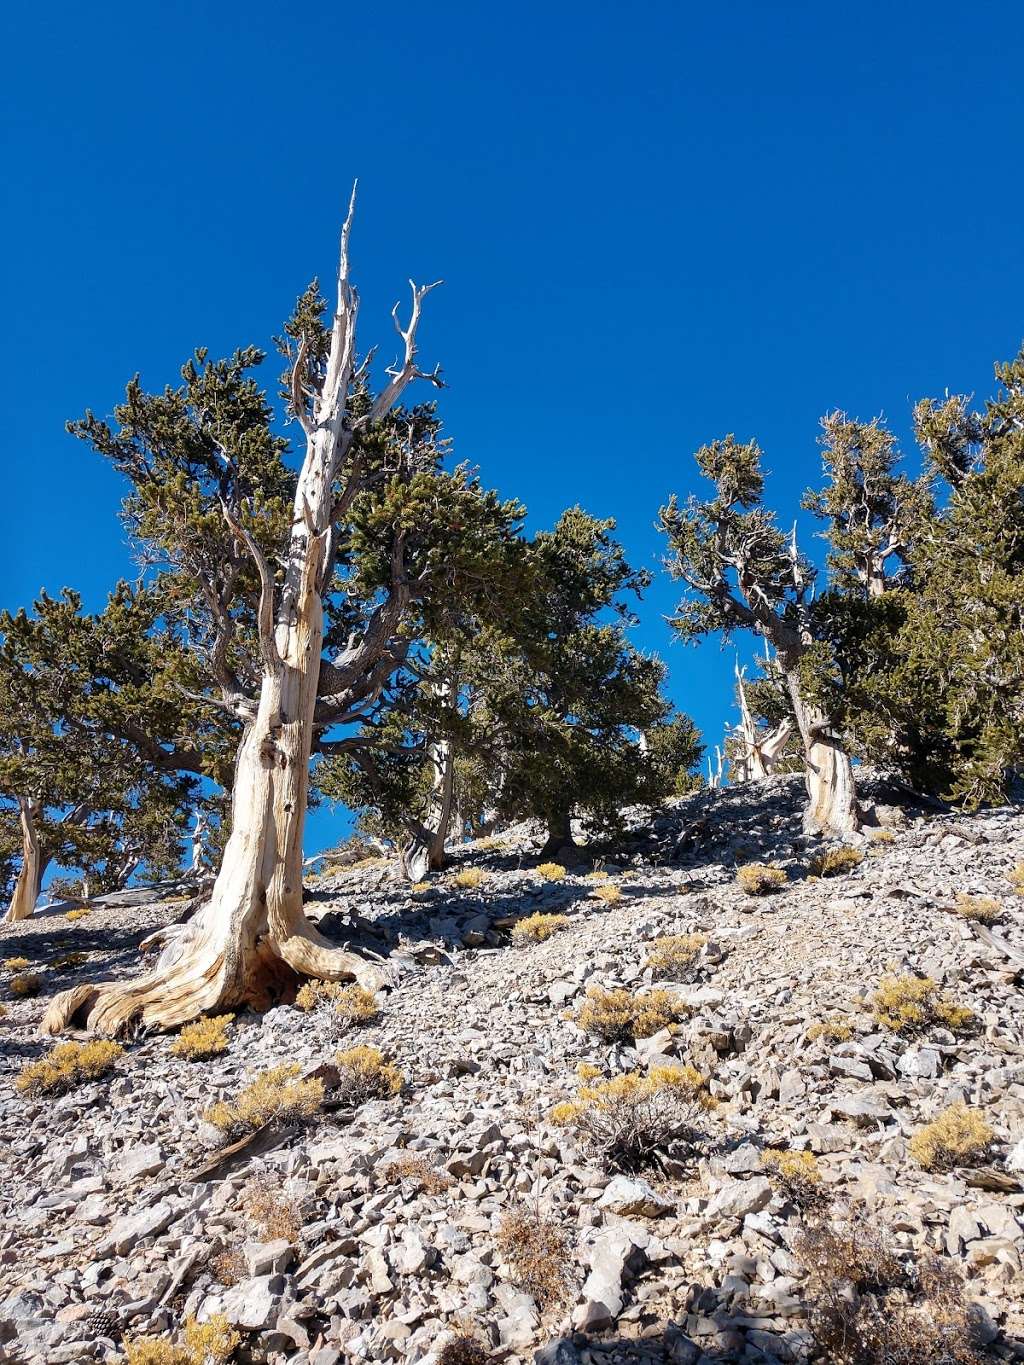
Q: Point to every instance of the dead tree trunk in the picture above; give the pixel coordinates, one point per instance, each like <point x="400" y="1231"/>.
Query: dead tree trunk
<point x="828" y="772"/>
<point x="33" y="863"/>
<point x="252" y="939"/>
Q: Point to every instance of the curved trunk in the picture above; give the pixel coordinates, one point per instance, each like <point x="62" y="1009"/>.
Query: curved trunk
<point x="828" y="772"/>
<point x="33" y="864"/>
<point x="559" y="835"/>
<point x="424" y="849"/>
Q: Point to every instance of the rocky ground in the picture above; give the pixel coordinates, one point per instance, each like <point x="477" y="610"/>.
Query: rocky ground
<point x="118" y="1217"/>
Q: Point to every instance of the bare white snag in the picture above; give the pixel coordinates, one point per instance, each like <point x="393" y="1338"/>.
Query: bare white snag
<point x="30" y="875"/>
<point x="252" y="938"/>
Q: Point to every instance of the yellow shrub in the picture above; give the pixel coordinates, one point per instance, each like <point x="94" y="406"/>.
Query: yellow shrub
<point x="797" y="1174"/>
<point x="207" y="1343"/>
<point x="908" y="1004"/>
<point x="675" y="955"/>
<point x="80" y="913"/>
<point x="3" y="1011"/>
<point x="629" y="1121"/>
<point x="958" y="1137"/>
<point x="414" y="1167"/>
<point x="469" y="878"/>
<point x="758" y="880"/>
<point x="365" y="1075"/>
<point x="537" y="928"/>
<point x="275" y="1096"/>
<point x="586" y="1071"/>
<point x="981" y="909"/>
<point x="608" y="893"/>
<point x="833" y="862"/>
<point x="205" y="1038"/>
<point x="272" y="1212"/>
<point x="70" y="960"/>
<point x="598" y="875"/>
<point x="617" y="1016"/>
<point x="883" y="836"/>
<point x="313" y="993"/>
<point x="26" y="983"/>
<point x="356" y="1005"/>
<point x="834" y="1029"/>
<point x="418" y="888"/>
<point x="551" y="872"/>
<point x="66" y="1066"/>
<point x="16" y="964"/>
<point x="1016" y="879"/>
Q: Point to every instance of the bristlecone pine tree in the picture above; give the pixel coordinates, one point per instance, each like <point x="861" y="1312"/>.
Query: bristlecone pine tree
<point x="742" y="572"/>
<point x="209" y="489"/>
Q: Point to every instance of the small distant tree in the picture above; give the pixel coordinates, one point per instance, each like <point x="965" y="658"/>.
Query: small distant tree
<point x="741" y="572"/>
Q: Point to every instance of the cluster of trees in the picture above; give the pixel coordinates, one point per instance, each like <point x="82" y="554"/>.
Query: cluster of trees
<point x="368" y="623"/>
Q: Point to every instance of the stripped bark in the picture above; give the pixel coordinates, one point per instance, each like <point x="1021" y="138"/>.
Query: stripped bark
<point x="251" y="942"/>
<point x="33" y="863"/>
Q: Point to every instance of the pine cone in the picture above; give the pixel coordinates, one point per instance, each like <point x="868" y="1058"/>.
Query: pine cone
<point x="101" y="1323"/>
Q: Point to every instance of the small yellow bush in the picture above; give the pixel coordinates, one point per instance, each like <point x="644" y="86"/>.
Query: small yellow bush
<point x="70" y="960"/>
<point x="539" y="1254"/>
<point x="16" y="964"/>
<point x="270" y="1210"/>
<point x="80" y="913"/>
<point x="414" y="1167"/>
<point x="883" y="836"/>
<point x="26" y="983"/>
<point x="537" y="928"/>
<point x="207" y="1343"/>
<point x="469" y="878"/>
<point x="676" y="955"/>
<point x="617" y="1016"/>
<point x="205" y="1038"/>
<point x="551" y="872"/>
<point x="356" y="1005"/>
<point x="958" y="1137"/>
<point x="981" y="909"/>
<point x="833" y="862"/>
<point x="365" y="1075"/>
<point x="598" y="875"/>
<point x="629" y="1121"/>
<point x="908" y="1004"/>
<point x="586" y="1071"/>
<point x="1016" y="879"/>
<point x="3" y="1011"/>
<point x="607" y="892"/>
<point x="313" y="993"/>
<point x="797" y="1174"/>
<point x="834" y="1029"/>
<point x="418" y="888"/>
<point x="275" y="1096"/>
<point x="758" y="880"/>
<point x="66" y="1066"/>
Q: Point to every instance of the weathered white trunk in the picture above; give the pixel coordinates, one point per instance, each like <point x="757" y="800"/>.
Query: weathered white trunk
<point x="30" y="875"/>
<point x="423" y="850"/>
<point x="252" y="940"/>
<point x="828" y="772"/>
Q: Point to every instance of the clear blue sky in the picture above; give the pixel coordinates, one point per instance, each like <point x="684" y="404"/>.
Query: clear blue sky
<point x="658" y="223"/>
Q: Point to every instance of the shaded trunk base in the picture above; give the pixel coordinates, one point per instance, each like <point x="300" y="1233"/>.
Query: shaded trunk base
<point x="559" y="837"/>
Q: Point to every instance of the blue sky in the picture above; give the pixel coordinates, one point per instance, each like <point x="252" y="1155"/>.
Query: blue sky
<point x="657" y="223"/>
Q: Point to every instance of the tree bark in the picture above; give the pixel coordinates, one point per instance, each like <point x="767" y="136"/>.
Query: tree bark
<point x="559" y="834"/>
<point x="252" y="941"/>
<point x="33" y="864"/>
<point x="828" y="772"/>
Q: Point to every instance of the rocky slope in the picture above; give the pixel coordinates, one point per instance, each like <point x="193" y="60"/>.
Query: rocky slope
<point x="118" y="1219"/>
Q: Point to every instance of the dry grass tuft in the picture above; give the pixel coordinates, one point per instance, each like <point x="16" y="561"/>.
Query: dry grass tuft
<point x="958" y="1137"/>
<point x="276" y="1096"/>
<point x="206" y="1343"/>
<point x="617" y="1016"/>
<point x="204" y="1039"/>
<point x="26" y="984"/>
<point x="675" y="956"/>
<point x="833" y="1028"/>
<point x="366" y="1075"/>
<point x="16" y="964"/>
<point x="910" y="1004"/>
<point x="551" y="872"/>
<point x="418" y="888"/>
<point x="414" y="1167"/>
<point x="634" y="1120"/>
<point x="607" y="892"/>
<point x="271" y="1211"/>
<point x="355" y="1005"/>
<point x="537" y="928"/>
<point x="981" y="909"/>
<point x="312" y="994"/>
<point x="597" y="875"/>
<point x="229" y="1266"/>
<point x="463" y="1350"/>
<point x="470" y="878"/>
<point x="797" y="1175"/>
<point x="756" y="879"/>
<point x="871" y="1304"/>
<point x="539" y="1255"/>
<point x="68" y="1065"/>
<point x="80" y="913"/>
<point x="1016" y="879"/>
<point x="883" y="836"/>
<point x="833" y="862"/>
